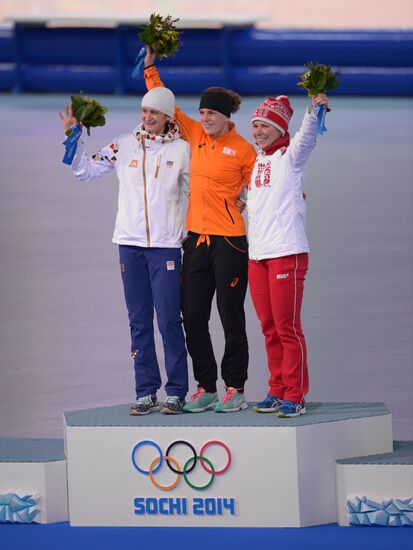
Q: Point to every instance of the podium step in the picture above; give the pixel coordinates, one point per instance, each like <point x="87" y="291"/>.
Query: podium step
<point x="376" y="489"/>
<point x="33" y="480"/>
<point x="317" y="413"/>
<point x="231" y="470"/>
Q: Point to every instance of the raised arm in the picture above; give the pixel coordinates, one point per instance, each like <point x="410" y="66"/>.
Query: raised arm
<point x="88" y="167"/>
<point x="305" y="139"/>
<point x="187" y="125"/>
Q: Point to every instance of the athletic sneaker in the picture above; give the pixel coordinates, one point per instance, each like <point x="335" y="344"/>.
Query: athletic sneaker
<point x="231" y="402"/>
<point x="201" y="401"/>
<point x="270" y="404"/>
<point x="173" y="405"/>
<point x="291" y="409"/>
<point x="145" y="405"/>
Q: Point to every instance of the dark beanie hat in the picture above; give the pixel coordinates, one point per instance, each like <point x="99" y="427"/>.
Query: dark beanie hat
<point x="217" y="101"/>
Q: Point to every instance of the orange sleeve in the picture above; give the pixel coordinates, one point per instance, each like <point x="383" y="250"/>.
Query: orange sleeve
<point x="152" y="78"/>
<point x="187" y="125"/>
<point x="248" y="165"/>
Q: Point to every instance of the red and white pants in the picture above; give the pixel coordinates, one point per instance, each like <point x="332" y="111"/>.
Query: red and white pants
<point x="277" y="287"/>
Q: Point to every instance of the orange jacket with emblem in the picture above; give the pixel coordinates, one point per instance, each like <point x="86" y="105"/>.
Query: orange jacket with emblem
<point x="219" y="168"/>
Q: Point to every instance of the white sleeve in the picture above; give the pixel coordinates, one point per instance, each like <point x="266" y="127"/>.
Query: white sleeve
<point x="184" y="173"/>
<point x="90" y="167"/>
<point x="303" y="142"/>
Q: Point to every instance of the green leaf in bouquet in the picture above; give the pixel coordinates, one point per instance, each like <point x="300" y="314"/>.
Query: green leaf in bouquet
<point x="76" y="102"/>
<point x="95" y="115"/>
<point x="82" y="113"/>
<point x="88" y="111"/>
<point x="318" y="78"/>
<point x="161" y="35"/>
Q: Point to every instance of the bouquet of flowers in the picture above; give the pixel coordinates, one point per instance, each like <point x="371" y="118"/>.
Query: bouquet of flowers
<point x="318" y="78"/>
<point x="161" y="35"/>
<point x="88" y="111"/>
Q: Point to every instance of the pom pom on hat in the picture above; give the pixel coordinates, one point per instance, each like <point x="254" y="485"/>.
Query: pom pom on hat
<point x="161" y="99"/>
<point x="275" y="111"/>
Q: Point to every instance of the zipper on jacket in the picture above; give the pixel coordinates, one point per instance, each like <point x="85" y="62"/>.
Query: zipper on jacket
<point x="229" y="213"/>
<point x="145" y="198"/>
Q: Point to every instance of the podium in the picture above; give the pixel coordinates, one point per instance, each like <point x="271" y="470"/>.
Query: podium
<point x="33" y="482"/>
<point x="215" y="470"/>
<point x="376" y="489"/>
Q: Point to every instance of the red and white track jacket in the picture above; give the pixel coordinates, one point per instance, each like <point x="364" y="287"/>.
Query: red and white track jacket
<point x="276" y="207"/>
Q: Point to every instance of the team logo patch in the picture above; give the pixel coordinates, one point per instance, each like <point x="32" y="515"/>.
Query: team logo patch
<point x="263" y="177"/>
<point x="170" y="265"/>
<point x="169" y="163"/>
<point x="228" y="151"/>
<point x="133" y="163"/>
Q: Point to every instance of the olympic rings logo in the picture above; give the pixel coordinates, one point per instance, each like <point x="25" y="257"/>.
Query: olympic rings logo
<point x="175" y="467"/>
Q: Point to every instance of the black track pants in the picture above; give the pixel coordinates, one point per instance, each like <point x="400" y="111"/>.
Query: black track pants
<point x="221" y="267"/>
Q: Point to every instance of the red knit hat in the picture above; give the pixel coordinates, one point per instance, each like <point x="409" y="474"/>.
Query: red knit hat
<point x="275" y="111"/>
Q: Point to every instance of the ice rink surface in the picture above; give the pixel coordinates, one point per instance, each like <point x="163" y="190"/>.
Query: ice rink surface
<point x="63" y="323"/>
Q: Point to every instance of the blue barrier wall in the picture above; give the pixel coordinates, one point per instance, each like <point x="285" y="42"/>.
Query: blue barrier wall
<point x="34" y="58"/>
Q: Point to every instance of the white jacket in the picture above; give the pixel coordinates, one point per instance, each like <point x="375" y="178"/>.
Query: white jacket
<point x="153" y="175"/>
<point x="276" y="207"/>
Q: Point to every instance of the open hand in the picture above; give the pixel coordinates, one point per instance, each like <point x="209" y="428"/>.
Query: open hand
<point x="68" y="120"/>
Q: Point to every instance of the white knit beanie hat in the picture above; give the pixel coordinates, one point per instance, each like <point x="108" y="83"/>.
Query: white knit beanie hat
<point x="161" y="99"/>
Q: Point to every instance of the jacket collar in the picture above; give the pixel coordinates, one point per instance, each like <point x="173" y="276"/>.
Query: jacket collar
<point x="173" y="134"/>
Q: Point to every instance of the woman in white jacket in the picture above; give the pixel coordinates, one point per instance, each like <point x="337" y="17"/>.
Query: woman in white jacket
<point x="278" y="248"/>
<point x="152" y="165"/>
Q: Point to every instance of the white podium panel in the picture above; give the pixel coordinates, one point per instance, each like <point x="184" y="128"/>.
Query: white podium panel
<point x="33" y="481"/>
<point x="377" y="490"/>
<point x="252" y="470"/>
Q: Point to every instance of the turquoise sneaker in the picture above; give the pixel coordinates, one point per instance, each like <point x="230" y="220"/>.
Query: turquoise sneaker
<point x="231" y="402"/>
<point x="201" y="401"/>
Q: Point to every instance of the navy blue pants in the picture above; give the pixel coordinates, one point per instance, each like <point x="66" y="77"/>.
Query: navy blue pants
<point x="151" y="278"/>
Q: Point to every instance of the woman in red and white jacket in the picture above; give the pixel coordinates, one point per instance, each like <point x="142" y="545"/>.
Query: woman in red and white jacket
<point x="278" y="248"/>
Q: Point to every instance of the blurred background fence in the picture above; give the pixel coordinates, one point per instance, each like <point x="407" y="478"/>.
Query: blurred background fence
<point x="39" y="55"/>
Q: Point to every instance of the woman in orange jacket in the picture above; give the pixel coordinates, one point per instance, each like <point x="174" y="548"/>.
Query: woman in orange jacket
<point x="215" y="249"/>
